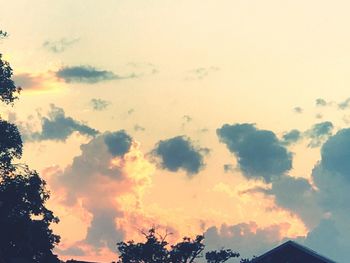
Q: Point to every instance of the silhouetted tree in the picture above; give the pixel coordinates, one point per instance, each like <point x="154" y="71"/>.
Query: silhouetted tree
<point x="187" y="250"/>
<point x="24" y="219"/>
<point x="220" y="256"/>
<point x="157" y="250"/>
<point x="153" y="250"/>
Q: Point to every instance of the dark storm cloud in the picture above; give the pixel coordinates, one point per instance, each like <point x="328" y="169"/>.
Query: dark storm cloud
<point x="57" y="126"/>
<point x="118" y="143"/>
<point x="88" y="74"/>
<point x="291" y="137"/>
<point x="319" y="133"/>
<point x="99" y="104"/>
<point x="179" y="153"/>
<point x="60" y="45"/>
<point x="259" y="152"/>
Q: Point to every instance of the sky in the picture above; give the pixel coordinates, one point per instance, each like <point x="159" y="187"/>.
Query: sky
<point x="228" y="118"/>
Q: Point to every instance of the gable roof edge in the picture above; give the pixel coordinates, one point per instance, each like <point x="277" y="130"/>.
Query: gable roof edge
<point x="296" y="245"/>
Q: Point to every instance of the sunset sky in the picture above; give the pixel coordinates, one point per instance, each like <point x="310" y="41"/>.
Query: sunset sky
<point x="228" y="118"/>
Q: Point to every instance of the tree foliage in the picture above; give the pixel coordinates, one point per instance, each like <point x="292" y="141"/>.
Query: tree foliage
<point x="24" y="220"/>
<point x="8" y="90"/>
<point x="220" y="256"/>
<point x="10" y="144"/>
<point x="156" y="249"/>
<point x="25" y="232"/>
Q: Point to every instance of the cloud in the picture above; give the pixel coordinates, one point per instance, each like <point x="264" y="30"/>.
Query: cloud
<point x="318" y="116"/>
<point x="71" y="251"/>
<point x="56" y="126"/>
<point x="246" y="238"/>
<point x="298" y="196"/>
<point x="332" y="179"/>
<point x="200" y="73"/>
<point x="28" y="81"/>
<point x="143" y="69"/>
<point x="291" y="137"/>
<point x="88" y="74"/>
<point x="203" y="130"/>
<point x="344" y="104"/>
<point x="179" y="153"/>
<point x="321" y="102"/>
<point x="88" y="178"/>
<point x="319" y="133"/>
<point x="298" y="110"/>
<point x="251" y="240"/>
<point x="228" y="168"/>
<point x="325" y="238"/>
<point x="105" y="185"/>
<point x="139" y="128"/>
<point x="36" y="81"/>
<point x="131" y="111"/>
<point x="186" y="119"/>
<point x="335" y="154"/>
<point x="118" y="143"/>
<point x="259" y="153"/>
<point x="323" y="207"/>
<point x="346" y="119"/>
<point x="320" y="202"/>
<point x="102" y="230"/>
<point x="60" y="45"/>
<point x="99" y="104"/>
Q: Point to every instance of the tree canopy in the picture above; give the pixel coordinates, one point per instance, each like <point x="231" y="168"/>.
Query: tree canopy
<point x="25" y="232"/>
<point x="155" y="249"/>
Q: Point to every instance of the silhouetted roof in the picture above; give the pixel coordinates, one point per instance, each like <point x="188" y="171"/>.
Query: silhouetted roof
<point x="291" y="252"/>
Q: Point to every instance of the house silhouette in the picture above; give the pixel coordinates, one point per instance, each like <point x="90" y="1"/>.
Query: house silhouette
<point x="291" y="252"/>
